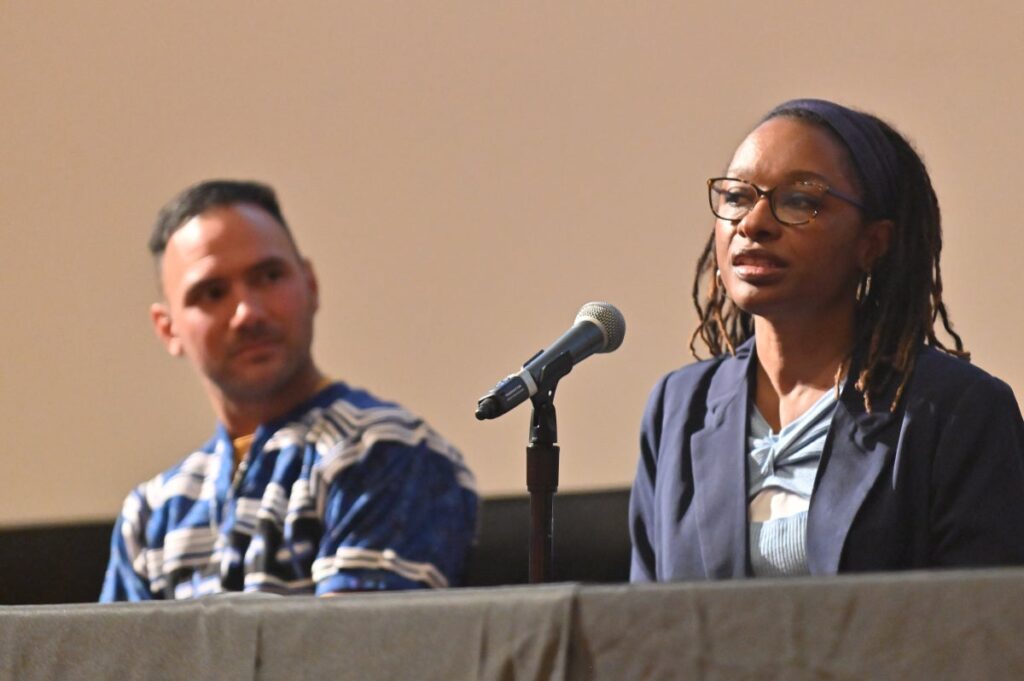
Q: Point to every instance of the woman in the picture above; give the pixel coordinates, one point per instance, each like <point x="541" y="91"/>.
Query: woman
<point x="832" y="431"/>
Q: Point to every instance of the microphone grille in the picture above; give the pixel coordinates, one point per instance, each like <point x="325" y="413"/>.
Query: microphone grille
<point x="608" y="319"/>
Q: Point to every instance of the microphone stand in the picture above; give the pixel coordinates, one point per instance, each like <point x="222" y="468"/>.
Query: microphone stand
<point x="542" y="469"/>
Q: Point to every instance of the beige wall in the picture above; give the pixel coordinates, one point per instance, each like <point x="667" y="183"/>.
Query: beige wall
<point x="464" y="176"/>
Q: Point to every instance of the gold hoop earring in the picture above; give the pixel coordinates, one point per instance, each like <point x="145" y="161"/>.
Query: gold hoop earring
<point x="865" y="287"/>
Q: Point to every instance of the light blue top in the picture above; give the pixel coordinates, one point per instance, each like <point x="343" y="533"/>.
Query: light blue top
<point x="787" y="460"/>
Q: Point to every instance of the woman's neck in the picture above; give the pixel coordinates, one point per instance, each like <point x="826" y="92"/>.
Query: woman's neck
<point x="798" y="360"/>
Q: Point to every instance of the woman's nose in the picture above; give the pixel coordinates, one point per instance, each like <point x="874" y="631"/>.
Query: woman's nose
<point x="759" y="223"/>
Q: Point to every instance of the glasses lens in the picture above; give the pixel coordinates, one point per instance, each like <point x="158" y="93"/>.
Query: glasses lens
<point x="798" y="203"/>
<point x="731" y="199"/>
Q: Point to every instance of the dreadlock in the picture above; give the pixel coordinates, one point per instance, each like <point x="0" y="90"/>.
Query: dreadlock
<point x="898" y="303"/>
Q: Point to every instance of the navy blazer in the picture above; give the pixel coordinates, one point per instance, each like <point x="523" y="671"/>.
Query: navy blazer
<point x="938" y="483"/>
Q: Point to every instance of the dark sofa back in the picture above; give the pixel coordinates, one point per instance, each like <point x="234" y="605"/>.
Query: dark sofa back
<point x="65" y="563"/>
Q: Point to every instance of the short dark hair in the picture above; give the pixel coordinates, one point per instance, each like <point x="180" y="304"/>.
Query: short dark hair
<point x="203" y="196"/>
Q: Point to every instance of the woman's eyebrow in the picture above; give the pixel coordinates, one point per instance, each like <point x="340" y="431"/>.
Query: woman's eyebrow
<point x="746" y="174"/>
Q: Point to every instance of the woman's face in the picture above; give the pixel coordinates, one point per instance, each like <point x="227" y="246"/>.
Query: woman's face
<point x="781" y="272"/>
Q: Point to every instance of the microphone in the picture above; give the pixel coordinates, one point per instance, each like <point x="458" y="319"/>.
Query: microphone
<point x="598" y="328"/>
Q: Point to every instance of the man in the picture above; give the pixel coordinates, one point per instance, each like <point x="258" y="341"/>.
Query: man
<point x="308" y="486"/>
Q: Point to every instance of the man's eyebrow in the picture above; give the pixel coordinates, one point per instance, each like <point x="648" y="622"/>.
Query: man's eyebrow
<point x="199" y="285"/>
<point x="195" y="288"/>
<point x="270" y="261"/>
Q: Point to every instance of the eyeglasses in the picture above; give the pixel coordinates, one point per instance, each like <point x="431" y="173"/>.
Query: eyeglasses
<point x="796" y="203"/>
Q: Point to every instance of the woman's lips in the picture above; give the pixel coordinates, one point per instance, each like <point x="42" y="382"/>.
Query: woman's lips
<point x="757" y="267"/>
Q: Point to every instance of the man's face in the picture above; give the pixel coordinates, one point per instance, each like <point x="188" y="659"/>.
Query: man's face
<point x="239" y="302"/>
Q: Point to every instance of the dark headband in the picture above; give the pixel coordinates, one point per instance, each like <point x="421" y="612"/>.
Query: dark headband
<point x="873" y="155"/>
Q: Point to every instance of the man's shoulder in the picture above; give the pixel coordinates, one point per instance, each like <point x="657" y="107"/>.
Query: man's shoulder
<point x="348" y="413"/>
<point x="364" y="407"/>
<point x="349" y="426"/>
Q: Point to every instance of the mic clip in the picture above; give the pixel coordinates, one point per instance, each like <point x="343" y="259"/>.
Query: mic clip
<point x="515" y="389"/>
<point x="543" y="425"/>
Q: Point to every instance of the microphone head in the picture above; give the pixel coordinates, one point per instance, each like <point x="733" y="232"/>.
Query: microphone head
<point x="607" y="318"/>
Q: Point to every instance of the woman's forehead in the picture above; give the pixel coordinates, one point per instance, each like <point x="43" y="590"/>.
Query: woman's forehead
<point x="785" y="148"/>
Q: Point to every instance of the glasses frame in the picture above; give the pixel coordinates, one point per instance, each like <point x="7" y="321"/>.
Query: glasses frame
<point x="770" y="195"/>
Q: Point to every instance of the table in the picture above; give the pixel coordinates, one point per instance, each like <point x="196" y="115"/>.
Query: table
<point x="934" y="625"/>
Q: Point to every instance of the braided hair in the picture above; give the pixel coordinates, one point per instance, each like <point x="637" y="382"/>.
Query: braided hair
<point x="900" y="300"/>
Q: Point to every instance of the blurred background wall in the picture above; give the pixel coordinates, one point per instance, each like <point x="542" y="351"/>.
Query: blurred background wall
<point x="464" y="176"/>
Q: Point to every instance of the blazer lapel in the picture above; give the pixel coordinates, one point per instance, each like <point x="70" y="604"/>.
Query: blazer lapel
<point x="858" y="446"/>
<point x="719" y="470"/>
